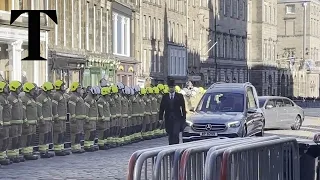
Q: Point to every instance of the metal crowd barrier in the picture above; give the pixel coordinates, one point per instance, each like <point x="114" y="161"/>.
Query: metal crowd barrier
<point x="143" y="162"/>
<point x="266" y="160"/>
<point x="250" y="158"/>
<point x="193" y="159"/>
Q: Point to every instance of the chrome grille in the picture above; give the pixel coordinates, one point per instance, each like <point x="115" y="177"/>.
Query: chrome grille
<point x="203" y="127"/>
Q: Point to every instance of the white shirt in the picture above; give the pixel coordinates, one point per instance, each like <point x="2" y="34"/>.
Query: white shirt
<point x="171" y="95"/>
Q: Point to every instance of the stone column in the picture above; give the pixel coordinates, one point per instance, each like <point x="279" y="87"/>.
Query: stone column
<point x="14" y="50"/>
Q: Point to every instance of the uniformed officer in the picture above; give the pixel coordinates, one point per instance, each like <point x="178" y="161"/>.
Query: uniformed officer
<point x="5" y="118"/>
<point x="124" y="115"/>
<point x="103" y="123"/>
<point x="148" y="114"/>
<point x="145" y="113"/>
<point x="59" y="112"/>
<point x="154" y="112"/>
<point x="115" y="109"/>
<point x="120" y="116"/>
<point x="16" y="122"/>
<point x="135" y="113"/>
<point x="77" y="116"/>
<point x="30" y="116"/>
<point x="129" y="130"/>
<point x="164" y="91"/>
<point x="158" y="97"/>
<point x="90" y="123"/>
<point x="44" y="103"/>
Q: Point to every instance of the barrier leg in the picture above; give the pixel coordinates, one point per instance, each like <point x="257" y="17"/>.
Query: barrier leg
<point x="308" y="167"/>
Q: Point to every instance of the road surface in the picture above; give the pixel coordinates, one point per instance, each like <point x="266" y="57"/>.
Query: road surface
<point x="110" y="164"/>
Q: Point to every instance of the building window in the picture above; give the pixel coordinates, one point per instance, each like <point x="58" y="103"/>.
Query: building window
<point x="225" y="48"/>
<point x="193" y="28"/>
<point x="149" y="28"/>
<point x="238" y="49"/>
<point x="172" y="31"/>
<point x="231" y="8"/>
<point x="121" y="33"/>
<point x="155" y="61"/>
<point x="154" y="29"/>
<point x="144" y="63"/>
<point x="265" y="19"/>
<point x="169" y="31"/>
<point x="182" y="34"/>
<point x="144" y="26"/>
<point x="224" y="7"/>
<point x="159" y="28"/>
<point x="177" y="33"/>
<point x="231" y="48"/>
<point x="238" y="9"/>
<point x="290" y="9"/>
<point x="159" y="61"/>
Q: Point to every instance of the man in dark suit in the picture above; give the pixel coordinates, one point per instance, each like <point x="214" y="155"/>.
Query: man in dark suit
<point x="174" y="110"/>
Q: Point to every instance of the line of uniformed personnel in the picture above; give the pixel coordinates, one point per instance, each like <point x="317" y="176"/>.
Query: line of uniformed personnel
<point x="32" y="118"/>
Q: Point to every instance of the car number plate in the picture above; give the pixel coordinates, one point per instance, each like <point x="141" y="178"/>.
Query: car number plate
<point x="208" y="133"/>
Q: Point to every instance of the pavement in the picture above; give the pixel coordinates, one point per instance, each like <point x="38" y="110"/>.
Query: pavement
<point x="112" y="164"/>
<point x="108" y="165"/>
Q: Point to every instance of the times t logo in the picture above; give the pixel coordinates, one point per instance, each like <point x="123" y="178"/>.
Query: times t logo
<point x="33" y="30"/>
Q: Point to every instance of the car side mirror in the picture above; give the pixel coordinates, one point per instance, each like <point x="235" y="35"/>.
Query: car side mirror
<point x="250" y="111"/>
<point x="269" y="106"/>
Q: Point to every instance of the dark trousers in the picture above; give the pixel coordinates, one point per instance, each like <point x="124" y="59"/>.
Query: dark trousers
<point x="173" y="132"/>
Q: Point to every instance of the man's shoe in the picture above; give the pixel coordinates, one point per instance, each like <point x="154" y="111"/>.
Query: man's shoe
<point x="15" y="160"/>
<point x="89" y="149"/>
<point x="21" y="158"/>
<point x="51" y="154"/>
<point x="5" y="162"/>
<point x="31" y="157"/>
<point x="95" y="147"/>
<point x="60" y="153"/>
<point x="45" y="155"/>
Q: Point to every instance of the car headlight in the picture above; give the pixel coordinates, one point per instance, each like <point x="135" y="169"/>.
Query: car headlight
<point x="234" y="124"/>
<point x="189" y="123"/>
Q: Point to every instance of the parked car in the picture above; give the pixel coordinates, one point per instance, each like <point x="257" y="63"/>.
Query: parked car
<point x="225" y="110"/>
<point x="281" y="112"/>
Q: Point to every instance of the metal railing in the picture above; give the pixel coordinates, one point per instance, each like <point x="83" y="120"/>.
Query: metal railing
<point x="250" y="158"/>
<point x="192" y="157"/>
<point x="153" y="162"/>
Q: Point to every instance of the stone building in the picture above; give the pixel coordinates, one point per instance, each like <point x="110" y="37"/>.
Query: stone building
<point x="14" y="43"/>
<point x="124" y="36"/>
<point x="80" y="46"/>
<point x="178" y="37"/>
<point x="299" y="43"/>
<point x="224" y="23"/>
<point x="266" y="72"/>
<point x="162" y="50"/>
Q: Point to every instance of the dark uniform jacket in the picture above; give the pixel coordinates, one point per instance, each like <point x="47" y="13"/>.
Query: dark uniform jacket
<point x="174" y="111"/>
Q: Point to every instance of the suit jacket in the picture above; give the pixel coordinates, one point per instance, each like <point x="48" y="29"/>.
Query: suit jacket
<point x="175" y="115"/>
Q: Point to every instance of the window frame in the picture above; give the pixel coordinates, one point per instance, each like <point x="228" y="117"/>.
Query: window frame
<point x="290" y="5"/>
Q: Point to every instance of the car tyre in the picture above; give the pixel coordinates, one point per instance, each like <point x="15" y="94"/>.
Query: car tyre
<point x="297" y="123"/>
<point x="261" y="133"/>
<point x="244" y="132"/>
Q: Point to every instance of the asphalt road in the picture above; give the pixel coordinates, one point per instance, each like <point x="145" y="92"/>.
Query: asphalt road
<point x="112" y="164"/>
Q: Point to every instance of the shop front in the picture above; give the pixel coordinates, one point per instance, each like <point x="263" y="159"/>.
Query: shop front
<point x="14" y="47"/>
<point x="66" y="66"/>
<point x="97" y="68"/>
